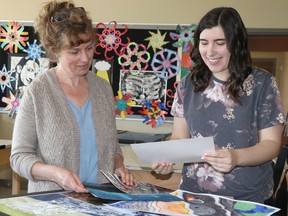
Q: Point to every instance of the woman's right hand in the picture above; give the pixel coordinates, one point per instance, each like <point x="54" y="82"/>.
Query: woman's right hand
<point x="65" y="178"/>
<point x="69" y="180"/>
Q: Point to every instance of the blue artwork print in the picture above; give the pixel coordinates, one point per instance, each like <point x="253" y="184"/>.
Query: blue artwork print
<point x="197" y="204"/>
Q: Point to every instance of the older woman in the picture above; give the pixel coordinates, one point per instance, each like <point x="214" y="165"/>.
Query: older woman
<point x="65" y="131"/>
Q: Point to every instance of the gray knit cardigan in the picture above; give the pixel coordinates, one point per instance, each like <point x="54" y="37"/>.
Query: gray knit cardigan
<point x="45" y="129"/>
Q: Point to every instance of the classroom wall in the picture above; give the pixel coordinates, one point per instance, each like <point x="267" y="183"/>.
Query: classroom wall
<point x="256" y="13"/>
<point x="265" y="14"/>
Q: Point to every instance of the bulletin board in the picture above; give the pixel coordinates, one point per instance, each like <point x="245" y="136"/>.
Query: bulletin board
<point x="21" y="60"/>
<point x="142" y="62"/>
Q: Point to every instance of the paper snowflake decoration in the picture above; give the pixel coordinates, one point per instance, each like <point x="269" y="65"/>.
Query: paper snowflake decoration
<point x="184" y="37"/>
<point x="156" y="40"/>
<point x="12" y="35"/>
<point x="166" y="64"/>
<point x="110" y="40"/>
<point x="136" y="58"/>
<point x="33" y="51"/>
<point x="6" y="78"/>
<point x="153" y="112"/>
<point x="12" y="102"/>
<point x="123" y="104"/>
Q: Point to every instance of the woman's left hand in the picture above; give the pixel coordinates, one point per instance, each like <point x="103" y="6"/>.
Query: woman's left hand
<point x="163" y="168"/>
<point x="223" y="160"/>
<point x="126" y="176"/>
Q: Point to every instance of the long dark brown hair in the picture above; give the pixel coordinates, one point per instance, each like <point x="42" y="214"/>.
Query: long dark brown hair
<point x="236" y="37"/>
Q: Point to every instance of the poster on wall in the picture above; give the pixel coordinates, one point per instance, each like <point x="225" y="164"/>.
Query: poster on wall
<point x="25" y="69"/>
<point x="143" y="86"/>
<point x="146" y="63"/>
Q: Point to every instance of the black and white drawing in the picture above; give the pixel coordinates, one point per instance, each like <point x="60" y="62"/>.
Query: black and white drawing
<point x="143" y="86"/>
<point x="26" y="70"/>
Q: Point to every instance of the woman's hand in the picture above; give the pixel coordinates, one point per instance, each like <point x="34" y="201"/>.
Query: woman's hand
<point x="223" y="160"/>
<point x="163" y="168"/>
<point x="69" y="180"/>
<point x="65" y="178"/>
<point x="126" y="176"/>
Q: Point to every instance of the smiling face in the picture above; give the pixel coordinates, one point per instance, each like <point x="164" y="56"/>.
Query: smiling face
<point x="214" y="52"/>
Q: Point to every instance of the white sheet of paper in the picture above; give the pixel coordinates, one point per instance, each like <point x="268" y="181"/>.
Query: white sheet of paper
<point x="174" y="151"/>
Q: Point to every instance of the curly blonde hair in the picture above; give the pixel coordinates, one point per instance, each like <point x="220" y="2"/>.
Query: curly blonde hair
<point x="60" y="24"/>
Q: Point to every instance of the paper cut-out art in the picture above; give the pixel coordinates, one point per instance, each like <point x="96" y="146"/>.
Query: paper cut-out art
<point x="184" y="37"/>
<point x="102" y="69"/>
<point x="166" y="64"/>
<point x="12" y="102"/>
<point x="34" y="51"/>
<point x="170" y="94"/>
<point x="123" y="104"/>
<point x="110" y="40"/>
<point x="136" y="59"/>
<point x="185" y="40"/>
<point x="12" y="34"/>
<point x="153" y="112"/>
<point x="6" y="78"/>
<point x="156" y="40"/>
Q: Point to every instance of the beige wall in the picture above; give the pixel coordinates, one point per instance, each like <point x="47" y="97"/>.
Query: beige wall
<point x="256" y="14"/>
<point x="6" y="126"/>
<point x="281" y="73"/>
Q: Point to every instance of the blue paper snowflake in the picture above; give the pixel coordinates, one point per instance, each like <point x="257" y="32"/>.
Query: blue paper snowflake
<point x="6" y="78"/>
<point x="33" y="51"/>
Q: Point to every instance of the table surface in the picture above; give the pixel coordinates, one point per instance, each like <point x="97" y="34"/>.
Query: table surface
<point x="128" y="137"/>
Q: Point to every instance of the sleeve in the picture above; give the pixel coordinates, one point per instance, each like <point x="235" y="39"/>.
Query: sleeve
<point x="24" y="138"/>
<point x="270" y="108"/>
<point x="177" y="109"/>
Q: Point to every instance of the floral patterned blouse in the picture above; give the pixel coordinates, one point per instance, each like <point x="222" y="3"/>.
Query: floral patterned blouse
<point x="233" y="126"/>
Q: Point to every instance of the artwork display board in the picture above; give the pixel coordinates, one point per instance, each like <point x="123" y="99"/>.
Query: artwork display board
<point x="142" y="62"/>
<point x="21" y="58"/>
<point x="145" y="62"/>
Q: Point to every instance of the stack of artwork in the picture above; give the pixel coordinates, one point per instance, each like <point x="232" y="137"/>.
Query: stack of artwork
<point x="142" y="200"/>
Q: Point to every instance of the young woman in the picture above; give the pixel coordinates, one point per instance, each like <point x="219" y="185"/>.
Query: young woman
<point x="237" y="104"/>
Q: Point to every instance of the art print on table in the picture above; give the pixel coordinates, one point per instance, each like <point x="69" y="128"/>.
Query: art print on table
<point x="59" y="204"/>
<point x="196" y="204"/>
<point x="120" y="191"/>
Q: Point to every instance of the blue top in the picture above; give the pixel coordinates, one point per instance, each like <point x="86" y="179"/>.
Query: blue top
<point x="233" y="126"/>
<point x="88" y="144"/>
